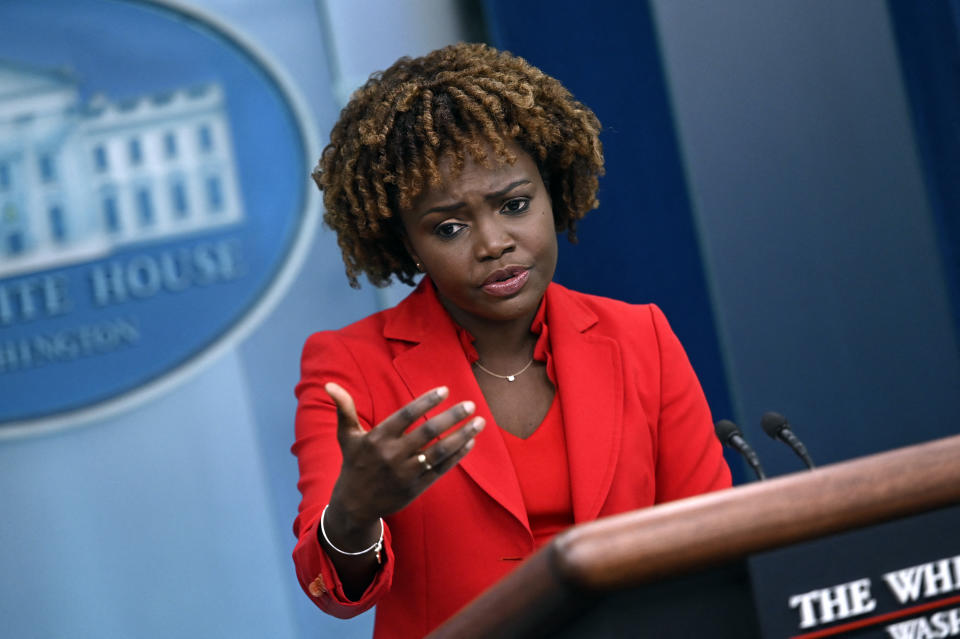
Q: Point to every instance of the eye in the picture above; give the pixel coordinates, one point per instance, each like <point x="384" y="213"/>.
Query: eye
<point x="448" y="230"/>
<point x="515" y="205"/>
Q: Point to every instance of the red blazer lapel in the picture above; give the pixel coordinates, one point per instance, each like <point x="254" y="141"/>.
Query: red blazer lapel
<point x="590" y="383"/>
<point x="436" y="358"/>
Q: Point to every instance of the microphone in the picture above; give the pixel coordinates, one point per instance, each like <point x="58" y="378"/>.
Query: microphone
<point x="777" y="426"/>
<point x="729" y="434"/>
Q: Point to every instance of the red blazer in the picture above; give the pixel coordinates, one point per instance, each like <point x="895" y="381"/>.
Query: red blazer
<point x="637" y="427"/>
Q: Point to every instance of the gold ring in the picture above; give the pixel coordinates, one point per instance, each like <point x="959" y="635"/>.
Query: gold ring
<point x="423" y="462"/>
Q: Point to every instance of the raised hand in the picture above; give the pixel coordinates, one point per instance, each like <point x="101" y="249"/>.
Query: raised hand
<point x="386" y="468"/>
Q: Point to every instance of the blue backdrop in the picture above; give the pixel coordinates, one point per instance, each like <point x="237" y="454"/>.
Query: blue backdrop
<point x="764" y="188"/>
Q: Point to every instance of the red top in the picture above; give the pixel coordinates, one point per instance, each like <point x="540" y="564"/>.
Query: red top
<point x="540" y="462"/>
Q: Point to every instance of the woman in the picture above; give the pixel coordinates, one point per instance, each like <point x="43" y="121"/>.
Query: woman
<point x="442" y="441"/>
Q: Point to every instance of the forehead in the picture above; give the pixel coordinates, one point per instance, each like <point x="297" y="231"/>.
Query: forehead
<point x="481" y="176"/>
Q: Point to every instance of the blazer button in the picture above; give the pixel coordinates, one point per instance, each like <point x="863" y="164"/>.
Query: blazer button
<point x="317" y="587"/>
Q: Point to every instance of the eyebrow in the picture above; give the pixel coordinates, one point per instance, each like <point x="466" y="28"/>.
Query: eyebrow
<point x="489" y="196"/>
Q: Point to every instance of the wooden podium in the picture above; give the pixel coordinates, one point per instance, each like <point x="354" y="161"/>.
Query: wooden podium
<point x="681" y="569"/>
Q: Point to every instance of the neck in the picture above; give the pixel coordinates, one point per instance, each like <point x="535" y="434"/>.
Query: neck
<point x="498" y="341"/>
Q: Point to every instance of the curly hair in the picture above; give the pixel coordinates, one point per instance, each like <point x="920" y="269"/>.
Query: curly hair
<point x="390" y="139"/>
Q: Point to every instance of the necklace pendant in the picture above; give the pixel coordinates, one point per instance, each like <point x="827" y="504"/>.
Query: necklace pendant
<point x="511" y="378"/>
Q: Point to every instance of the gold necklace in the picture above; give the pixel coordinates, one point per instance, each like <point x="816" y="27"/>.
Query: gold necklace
<point x="509" y="378"/>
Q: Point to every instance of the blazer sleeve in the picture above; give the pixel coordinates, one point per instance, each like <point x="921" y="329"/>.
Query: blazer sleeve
<point x="689" y="456"/>
<point x="326" y="359"/>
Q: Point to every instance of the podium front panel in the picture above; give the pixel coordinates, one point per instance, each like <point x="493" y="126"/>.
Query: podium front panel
<point x="900" y="579"/>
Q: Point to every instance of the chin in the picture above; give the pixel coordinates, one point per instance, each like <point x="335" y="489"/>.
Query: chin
<point x="514" y="307"/>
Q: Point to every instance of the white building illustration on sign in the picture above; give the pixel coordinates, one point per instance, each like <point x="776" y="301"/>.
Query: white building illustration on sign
<point x="78" y="180"/>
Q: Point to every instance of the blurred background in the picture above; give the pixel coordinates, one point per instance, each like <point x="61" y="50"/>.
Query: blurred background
<point x="782" y="179"/>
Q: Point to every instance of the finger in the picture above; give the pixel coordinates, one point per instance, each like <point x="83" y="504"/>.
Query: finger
<point x="401" y="420"/>
<point x="449" y="446"/>
<point x="437" y="425"/>
<point x="347" y="420"/>
<point x="437" y="455"/>
<point x="437" y="470"/>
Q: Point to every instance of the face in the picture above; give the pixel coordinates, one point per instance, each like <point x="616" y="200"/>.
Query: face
<point x="486" y="238"/>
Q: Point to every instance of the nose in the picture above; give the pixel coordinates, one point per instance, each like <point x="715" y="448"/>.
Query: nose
<point x="492" y="239"/>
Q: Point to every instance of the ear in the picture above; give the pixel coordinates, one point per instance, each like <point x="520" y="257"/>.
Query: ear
<point x="409" y="247"/>
<point x="413" y="254"/>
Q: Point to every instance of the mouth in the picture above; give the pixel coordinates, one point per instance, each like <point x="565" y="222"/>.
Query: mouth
<point x="506" y="281"/>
